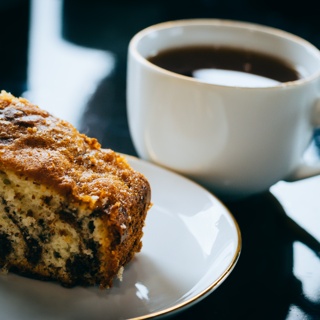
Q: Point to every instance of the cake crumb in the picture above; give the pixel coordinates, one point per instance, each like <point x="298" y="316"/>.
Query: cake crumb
<point x="120" y="273"/>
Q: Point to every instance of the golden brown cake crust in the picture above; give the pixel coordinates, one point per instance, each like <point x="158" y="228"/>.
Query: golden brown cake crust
<point x="51" y="151"/>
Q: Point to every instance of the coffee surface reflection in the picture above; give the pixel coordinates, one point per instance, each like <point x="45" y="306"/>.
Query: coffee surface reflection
<point x="226" y="65"/>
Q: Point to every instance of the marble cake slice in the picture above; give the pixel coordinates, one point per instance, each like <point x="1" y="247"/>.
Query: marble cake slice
<point x="69" y="211"/>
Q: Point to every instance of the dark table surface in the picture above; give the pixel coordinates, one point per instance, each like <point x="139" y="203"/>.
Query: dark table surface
<point x="69" y="57"/>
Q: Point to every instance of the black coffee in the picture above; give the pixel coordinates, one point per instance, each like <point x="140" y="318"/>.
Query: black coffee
<point x="200" y="61"/>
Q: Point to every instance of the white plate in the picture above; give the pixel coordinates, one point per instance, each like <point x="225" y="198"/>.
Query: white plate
<point x="191" y="244"/>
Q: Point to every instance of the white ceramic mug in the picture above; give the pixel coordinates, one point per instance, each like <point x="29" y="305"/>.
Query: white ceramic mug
<point x="236" y="141"/>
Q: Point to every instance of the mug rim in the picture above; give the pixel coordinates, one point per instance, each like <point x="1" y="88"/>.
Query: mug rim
<point x="250" y="26"/>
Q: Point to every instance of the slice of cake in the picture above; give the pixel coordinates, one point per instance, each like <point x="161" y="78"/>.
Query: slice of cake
<point x="69" y="210"/>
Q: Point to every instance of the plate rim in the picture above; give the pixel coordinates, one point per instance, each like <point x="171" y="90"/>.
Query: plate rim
<point x="213" y="286"/>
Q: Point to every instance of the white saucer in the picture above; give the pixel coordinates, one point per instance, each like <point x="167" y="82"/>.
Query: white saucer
<point x="191" y="244"/>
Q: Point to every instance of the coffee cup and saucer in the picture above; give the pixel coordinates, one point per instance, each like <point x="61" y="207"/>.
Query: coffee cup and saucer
<point x="231" y="105"/>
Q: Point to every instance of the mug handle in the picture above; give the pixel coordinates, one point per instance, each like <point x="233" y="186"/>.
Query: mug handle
<point x="305" y="170"/>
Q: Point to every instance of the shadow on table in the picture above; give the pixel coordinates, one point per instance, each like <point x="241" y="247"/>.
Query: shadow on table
<point x="262" y="282"/>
